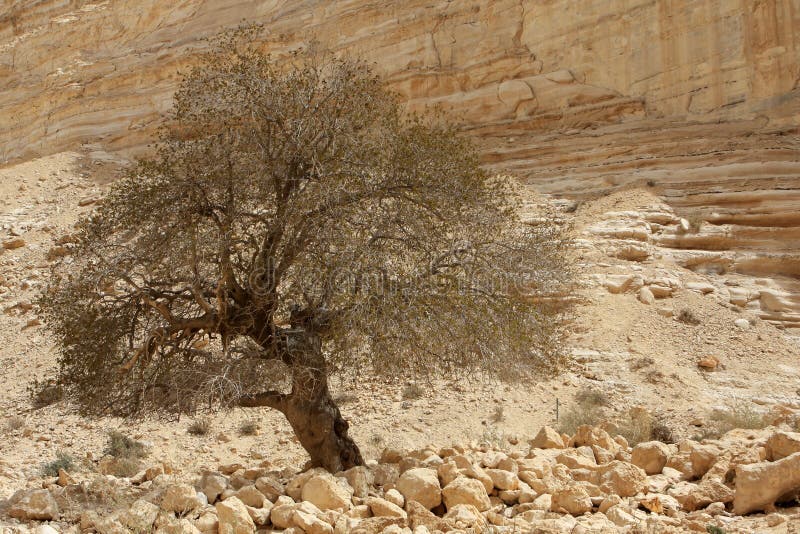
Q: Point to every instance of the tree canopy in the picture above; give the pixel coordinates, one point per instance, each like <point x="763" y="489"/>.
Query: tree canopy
<point x="291" y="222"/>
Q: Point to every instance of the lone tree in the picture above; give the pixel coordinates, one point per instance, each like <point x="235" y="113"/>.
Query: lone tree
<point x="293" y="223"/>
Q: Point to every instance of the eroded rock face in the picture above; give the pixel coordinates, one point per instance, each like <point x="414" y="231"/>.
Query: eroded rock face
<point x="705" y="91"/>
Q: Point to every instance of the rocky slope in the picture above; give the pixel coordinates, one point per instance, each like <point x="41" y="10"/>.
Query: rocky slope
<point x="699" y="98"/>
<point x="588" y="482"/>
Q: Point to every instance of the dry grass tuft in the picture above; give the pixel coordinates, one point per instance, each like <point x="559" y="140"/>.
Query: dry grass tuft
<point x="200" y="426"/>
<point x="413" y="391"/>
<point x="687" y="316"/>
<point x="248" y="428"/>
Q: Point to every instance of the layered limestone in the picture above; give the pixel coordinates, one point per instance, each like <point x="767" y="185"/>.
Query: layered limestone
<point x="697" y="99"/>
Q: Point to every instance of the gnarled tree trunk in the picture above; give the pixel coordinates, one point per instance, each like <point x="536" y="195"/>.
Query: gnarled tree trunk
<point x="310" y="409"/>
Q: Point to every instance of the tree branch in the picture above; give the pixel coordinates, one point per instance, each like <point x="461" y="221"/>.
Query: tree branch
<point x="271" y="399"/>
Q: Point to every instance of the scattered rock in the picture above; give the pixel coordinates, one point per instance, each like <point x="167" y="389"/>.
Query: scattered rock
<point x="34" y="504"/>
<point x="651" y="456"/>
<point x="760" y="485"/>
<point x="421" y="485"/>
<point x="15" y="243"/>
<point x="234" y="518"/>
<point x="574" y="500"/>
<point x="547" y="438"/>
<point x="180" y="498"/>
<point x="328" y="492"/>
<point x="465" y="490"/>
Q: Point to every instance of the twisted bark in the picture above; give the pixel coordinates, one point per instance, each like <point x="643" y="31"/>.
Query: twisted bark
<point x="310" y="409"/>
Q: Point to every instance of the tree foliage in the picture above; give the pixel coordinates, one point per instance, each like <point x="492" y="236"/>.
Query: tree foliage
<point x="291" y="207"/>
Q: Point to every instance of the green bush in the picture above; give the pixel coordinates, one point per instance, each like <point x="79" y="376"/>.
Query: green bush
<point x="63" y="461"/>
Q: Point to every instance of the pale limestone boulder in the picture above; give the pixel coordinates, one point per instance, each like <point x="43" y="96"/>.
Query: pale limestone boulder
<point x="782" y="444"/>
<point x="591" y="435"/>
<point x="419" y="516"/>
<point x="311" y="524"/>
<point x="359" y="478"/>
<point x="703" y="457"/>
<point x="294" y="488"/>
<point x="212" y="485"/>
<point x="260" y="516"/>
<point x="385" y="474"/>
<point x="503" y="480"/>
<point x="696" y="496"/>
<point x="465" y="490"/>
<point x="574" y="500"/>
<point x="543" y="502"/>
<point x="180" y="498"/>
<point x="608" y="502"/>
<point x="269" y="487"/>
<point x="250" y="496"/>
<point x="577" y="459"/>
<point x="383" y="508"/>
<point x="646" y="296"/>
<point x="547" y="438"/>
<point x="620" y="516"/>
<point x="395" y="497"/>
<point x="760" y="485"/>
<point x="651" y="456"/>
<point x="283" y="511"/>
<point x="35" y="504"/>
<point x="176" y="526"/>
<point x="682" y="463"/>
<point x="234" y="517"/>
<point x="466" y="516"/>
<point x="448" y="472"/>
<point x="207" y="522"/>
<point x="622" y="478"/>
<point x="421" y="485"/>
<point x="140" y="516"/>
<point x="327" y="492"/>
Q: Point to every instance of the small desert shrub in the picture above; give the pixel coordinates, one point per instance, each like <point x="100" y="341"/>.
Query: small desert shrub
<point x="44" y="393"/>
<point x="641" y="425"/>
<point x="687" y="316"/>
<point x="740" y="414"/>
<point x="498" y="415"/>
<point x="121" y="446"/>
<point x="587" y="410"/>
<point x="126" y="467"/>
<point x="661" y="432"/>
<point x="200" y="426"/>
<point x="651" y="183"/>
<point x="637" y="427"/>
<point x="248" y="428"/>
<point x="63" y="461"/>
<point x="591" y="396"/>
<point x="14" y="423"/>
<point x="413" y="391"/>
<point x="493" y="437"/>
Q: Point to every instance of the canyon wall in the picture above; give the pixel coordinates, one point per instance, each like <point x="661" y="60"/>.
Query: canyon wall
<point x="698" y="100"/>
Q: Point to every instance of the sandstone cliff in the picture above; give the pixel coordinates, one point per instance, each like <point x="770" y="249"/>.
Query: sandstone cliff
<point x="698" y="99"/>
